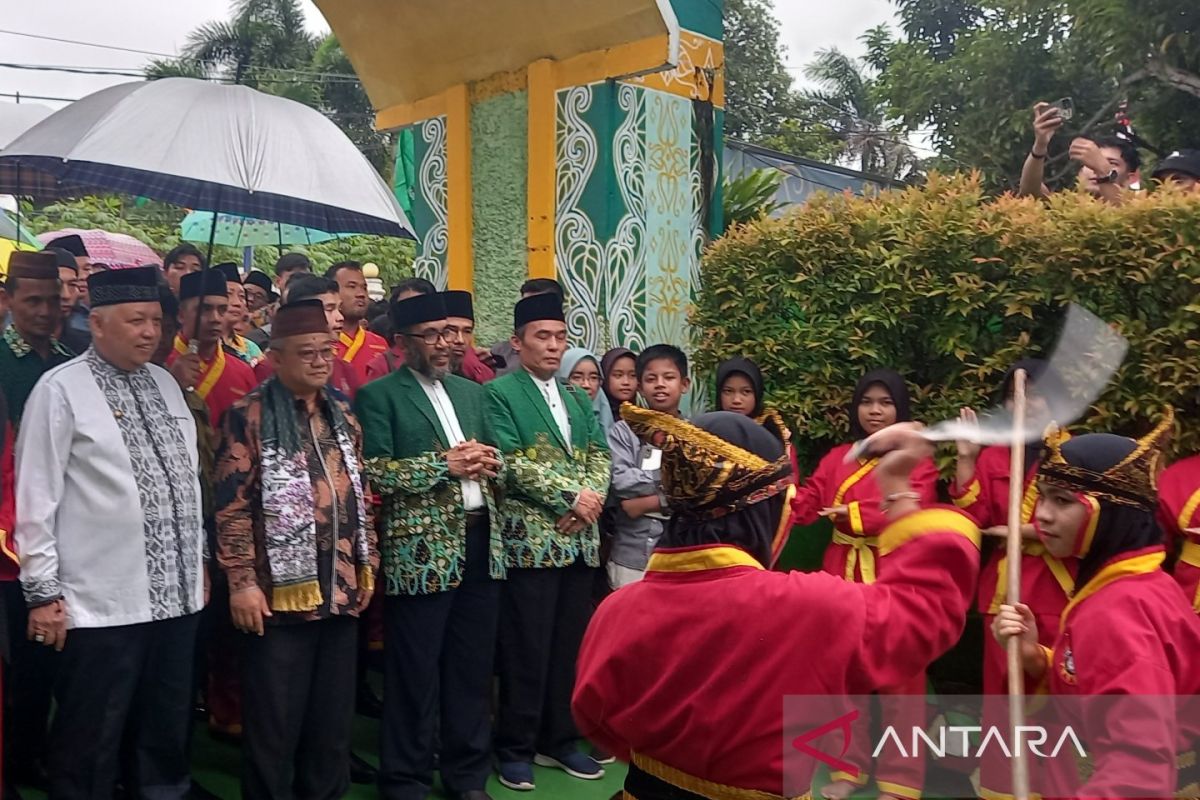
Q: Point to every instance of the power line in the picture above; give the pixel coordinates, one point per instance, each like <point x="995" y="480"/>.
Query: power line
<point x="86" y="44"/>
<point x="335" y="76"/>
<point x="22" y="96"/>
<point x="269" y="74"/>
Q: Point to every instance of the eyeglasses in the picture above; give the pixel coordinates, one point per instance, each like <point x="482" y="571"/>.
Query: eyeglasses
<point x="448" y="335"/>
<point x="314" y="354"/>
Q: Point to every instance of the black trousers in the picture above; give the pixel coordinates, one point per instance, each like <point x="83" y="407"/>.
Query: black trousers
<point x="28" y="686"/>
<point x="438" y="656"/>
<point x="108" y="677"/>
<point x="544" y="615"/>
<point x="297" y="709"/>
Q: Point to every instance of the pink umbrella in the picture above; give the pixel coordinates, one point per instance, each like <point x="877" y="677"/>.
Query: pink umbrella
<point x="117" y="250"/>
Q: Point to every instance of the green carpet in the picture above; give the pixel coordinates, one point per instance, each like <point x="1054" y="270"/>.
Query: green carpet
<point x="216" y="765"/>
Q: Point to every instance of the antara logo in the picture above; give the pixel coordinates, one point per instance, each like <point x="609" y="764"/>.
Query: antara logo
<point x="955" y="739"/>
<point x="1026" y="738"/>
<point x="842" y="723"/>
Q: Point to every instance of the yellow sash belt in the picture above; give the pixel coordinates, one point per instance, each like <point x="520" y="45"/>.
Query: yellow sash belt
<point x="862" y="551"/>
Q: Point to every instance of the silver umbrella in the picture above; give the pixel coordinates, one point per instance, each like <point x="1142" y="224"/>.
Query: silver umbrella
<point x="206" y="146"/>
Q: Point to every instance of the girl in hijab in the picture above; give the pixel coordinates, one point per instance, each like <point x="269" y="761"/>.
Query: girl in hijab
<point x="1127" y="630"/>
<point x="848" y="495"/>
<point x="740" y="391"/>
<point x="581" y="368"/>
<point x="740" y="387"/>
<point x="619" y="371"/>
<point x="980" y="488"/>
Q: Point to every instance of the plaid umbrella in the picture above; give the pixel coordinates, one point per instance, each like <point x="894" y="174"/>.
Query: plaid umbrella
<point x="117" y="250"/>
<point x="212" y="146"/>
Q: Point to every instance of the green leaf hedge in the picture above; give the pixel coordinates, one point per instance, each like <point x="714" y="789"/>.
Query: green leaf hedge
<point x="950" y="287"/>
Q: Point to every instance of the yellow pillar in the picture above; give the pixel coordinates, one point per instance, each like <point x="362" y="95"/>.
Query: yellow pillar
<point x="459" y="212"/>
<point x="543" y="116"/>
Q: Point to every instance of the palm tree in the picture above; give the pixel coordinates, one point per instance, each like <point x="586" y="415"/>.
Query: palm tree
<point x="845" y="97"/>
<point x="262" y="42"/>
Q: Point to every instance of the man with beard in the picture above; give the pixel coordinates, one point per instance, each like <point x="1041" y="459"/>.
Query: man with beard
<point x="357" y="347"/>
<point x="443" y="555"/>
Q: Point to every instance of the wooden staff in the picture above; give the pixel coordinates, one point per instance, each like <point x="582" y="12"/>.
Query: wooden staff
<point x="1016" y="671"/>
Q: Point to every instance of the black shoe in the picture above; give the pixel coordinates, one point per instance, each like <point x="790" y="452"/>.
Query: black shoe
<point x="368" y="703"/>
<point x="474" y="794"/>
<point x="361" y="772"/>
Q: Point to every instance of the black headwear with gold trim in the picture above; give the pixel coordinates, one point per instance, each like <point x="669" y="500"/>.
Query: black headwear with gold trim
<point x="1119" y="478"/>
<point x="1109" y="467"/>
<point x="725" y="476"/>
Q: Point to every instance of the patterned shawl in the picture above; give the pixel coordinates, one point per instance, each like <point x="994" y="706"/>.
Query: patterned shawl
<point x="288" y="500"/>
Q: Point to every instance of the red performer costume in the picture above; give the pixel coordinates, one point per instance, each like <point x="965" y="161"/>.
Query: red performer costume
<point x="1128" y="632"/>
<point x="725" y="635"/>
<point x="880" y="399"/>
<point x="1179" y="517"/>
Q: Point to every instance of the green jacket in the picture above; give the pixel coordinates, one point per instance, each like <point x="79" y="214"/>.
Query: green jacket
<point x="423" y="541"/>
<point x="544" y="478"/>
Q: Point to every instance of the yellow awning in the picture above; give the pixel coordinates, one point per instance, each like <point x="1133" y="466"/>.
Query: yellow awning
<point x="405" y="52"/>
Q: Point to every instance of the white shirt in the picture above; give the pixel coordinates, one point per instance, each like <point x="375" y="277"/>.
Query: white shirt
<point x="444" y="408"/>
<point x="97" y="522"/>
<point x="558" y="406"/>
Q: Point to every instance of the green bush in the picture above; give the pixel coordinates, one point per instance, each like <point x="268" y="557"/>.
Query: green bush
<point x="157" y="225"/>
<point x="950" y="288"/>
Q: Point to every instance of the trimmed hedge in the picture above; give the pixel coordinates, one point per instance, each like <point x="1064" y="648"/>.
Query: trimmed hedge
<point x="950" y="288"/>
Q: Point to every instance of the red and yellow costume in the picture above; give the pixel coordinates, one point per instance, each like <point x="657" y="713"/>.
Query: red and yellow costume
<point x="1129" y="631"/>
<point x="852" y="555"/>
<point x="684" y="673"/>
<point x="835" y="482"/>
<point x="697" y="685"/>
<point x="10" y="563"/>
<point x="1179" y="512"/>
<point x="223" y="380"/>
<point x="358" y="350"/>
<point x="1046" y="585"/>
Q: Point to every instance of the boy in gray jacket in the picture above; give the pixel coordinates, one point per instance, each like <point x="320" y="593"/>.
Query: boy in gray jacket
<point x="662" y="372"/>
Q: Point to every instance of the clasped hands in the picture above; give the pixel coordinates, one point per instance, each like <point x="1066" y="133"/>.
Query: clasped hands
<point x="586" y="512"/>
<point x="473" y="461"/>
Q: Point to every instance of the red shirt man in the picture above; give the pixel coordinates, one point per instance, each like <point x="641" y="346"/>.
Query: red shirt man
<point x="356" y="346"/>
<point x="220" y="377"/>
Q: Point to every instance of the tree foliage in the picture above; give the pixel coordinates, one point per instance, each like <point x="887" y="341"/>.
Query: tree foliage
<point x="758" y="88"/>
<point x="264" y="45"/>
<point x="968" y="72"/>
<point x="950" y="289"/>
<point x="847" y="101"/>
<point x="157" y="225"/>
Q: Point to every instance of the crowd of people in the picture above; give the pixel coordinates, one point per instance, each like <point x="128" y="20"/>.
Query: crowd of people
<point x="226" y="491"/>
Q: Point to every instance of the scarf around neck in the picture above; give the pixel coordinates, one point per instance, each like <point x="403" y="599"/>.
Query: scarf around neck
<point x="288" y="501"/>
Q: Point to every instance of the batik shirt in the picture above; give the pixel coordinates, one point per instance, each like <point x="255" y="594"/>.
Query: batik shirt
<point x="242" y="551"/>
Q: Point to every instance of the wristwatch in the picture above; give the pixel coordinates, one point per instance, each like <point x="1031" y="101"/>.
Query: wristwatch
<point x="1109" y="178"/>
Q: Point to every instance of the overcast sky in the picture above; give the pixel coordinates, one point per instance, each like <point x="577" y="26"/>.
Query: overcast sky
<point x="161" y="26"/>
